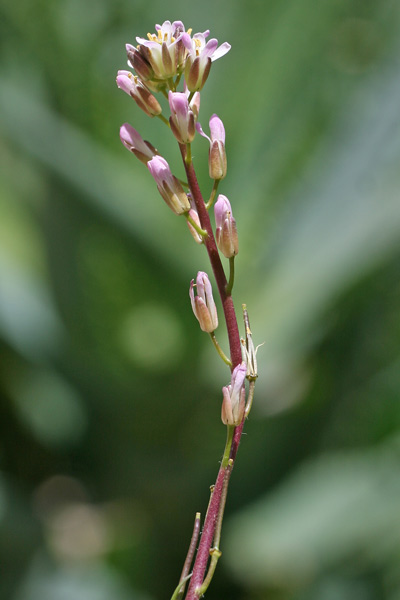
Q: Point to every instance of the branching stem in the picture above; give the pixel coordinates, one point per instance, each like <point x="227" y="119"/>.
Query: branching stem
<point x="179" y="591"/>
<point x="215" y="551"/>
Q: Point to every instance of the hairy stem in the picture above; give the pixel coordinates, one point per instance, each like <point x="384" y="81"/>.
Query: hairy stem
<point x="215" y="552"/>
<point x="213" y="521"/>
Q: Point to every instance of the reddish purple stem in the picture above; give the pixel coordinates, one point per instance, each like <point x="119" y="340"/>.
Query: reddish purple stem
<point x="203" y="553"/>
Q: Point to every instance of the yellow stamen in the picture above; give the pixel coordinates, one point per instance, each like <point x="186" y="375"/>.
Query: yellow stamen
<point x="189" y="31"/>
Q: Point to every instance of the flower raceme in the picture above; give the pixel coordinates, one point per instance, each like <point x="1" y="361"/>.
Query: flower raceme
<point x="217" y="165"/>
<point x="176" y="65"/>
<point x="203" y="303"/>
<point x="226" y="231"/>
<point x="168" y="185"/>
<point x="233" y="397"/>
<point x="171" y="51"/>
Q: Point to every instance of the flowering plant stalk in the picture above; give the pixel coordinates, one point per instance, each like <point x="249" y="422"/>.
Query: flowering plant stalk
<point x="170" y="57"/>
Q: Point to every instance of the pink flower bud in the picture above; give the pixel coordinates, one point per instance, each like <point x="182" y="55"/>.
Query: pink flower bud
<point x="132" y="140"/>
<point x="217" y="165"/>
<point x="203" y="304"/>
<point x="168" y="185"/>
<point x="182" y="119"/>
<point x="233" y="397"/>
<point x="217" y="129"/>
<point x="226" y="231"/>
<point x="142" y="96"/>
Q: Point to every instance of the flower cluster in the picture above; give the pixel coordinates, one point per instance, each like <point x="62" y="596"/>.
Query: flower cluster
<point x="159" y="63"/>
<point x="172" y="50"/>
<point x="175" y="65"/>
<point x="166" y="59"/>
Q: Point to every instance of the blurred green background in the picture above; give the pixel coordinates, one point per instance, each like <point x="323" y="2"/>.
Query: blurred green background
<point x="110" y="393"/>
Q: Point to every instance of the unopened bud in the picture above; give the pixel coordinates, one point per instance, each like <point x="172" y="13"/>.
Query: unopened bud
<point x="132" y="140"/>
<point x="168" y="185"/>
<point x="217" y="164"/>
<point x="217" y="156"/>
<point x="226" y="231"/>
<point x="234" y="397"/>
<point x="182" y="119"/>
<point x="139" y="92"/>
<point x="203" y="304"/>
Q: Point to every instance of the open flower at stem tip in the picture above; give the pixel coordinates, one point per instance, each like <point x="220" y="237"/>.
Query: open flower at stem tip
<point x="203" y="304"/>
<point x="172" y="50"/>
<point x="162" y="55"/>
<point x="168" y="185"/>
